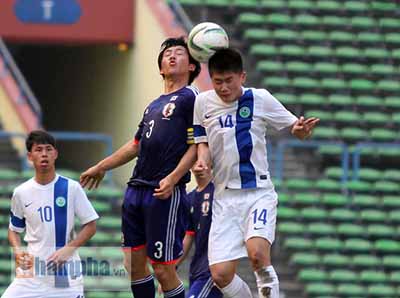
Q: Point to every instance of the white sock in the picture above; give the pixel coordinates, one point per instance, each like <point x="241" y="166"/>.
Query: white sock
<point x="237" y="289"/>
<point x="267" y="282"/>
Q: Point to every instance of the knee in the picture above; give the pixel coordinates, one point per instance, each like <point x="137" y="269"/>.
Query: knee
<point x="258" y="259"/>
<point x="221" y="276"/>
<point x="162" y="273"/>
<point x="135" y="271"/>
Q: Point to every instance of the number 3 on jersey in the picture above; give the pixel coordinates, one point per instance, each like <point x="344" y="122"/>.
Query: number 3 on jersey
<point x="159" y="245"/>
<point x="151" y="125"/>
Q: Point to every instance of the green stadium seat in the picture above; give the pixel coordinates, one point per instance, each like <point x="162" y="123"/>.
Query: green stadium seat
<point x="305" y="83"/>
<point x="343" y="275"/>
<point x="320" y="229"/>
<point x="365" y="201"/>
<point x="383" y="135"/>
<point x="376" y="118"/>
<point x="335" y="260"/>
<point x="269" y="66"/>
<point x="298" y="244"/>
<point x="69" y="173"/>
<point x="245" y="4"/>
<point x="191" y="2"/>
<point x="390" y="202"/>
<point x="328" y="244"/>
<point x="298" y="184"/>
<point x="334" y="200"/>
<point x="304" y="259"/>
<point x="387" y="187"/>
<point x="263" y="50"/>
<point x="284" y="198"/>
<point x="396" y="118"/>
<point x="101" y="206"/>
<point x="273" y="4"/>
<point x="356" y="245"/>
<point x="368" y="102"/>
<point x="394" y="277"/>
<point x="286" y="99"/>
<point x="275" y="82"/>
<point x="381" y="291"/>
<point x="392" y="38"/>
<point x="347" y="52"/>
<point x="391" y="262"/>
<point x="249" y="18"/>
<point x="387" y="23"/>
<point x="371" y="215"/>
<point x="380" y="231"/>
<point x="310" y="36"/>
<point x="218" y="3"/>
<point x="342" y="215"/>
<point x="376" y="53"/>
<point x="389" y="152"/>
<point x="362" y="23"/>
<point x="111" y="253"/>
<point x="311" y="99"/>
<point x="8" y="174"/>
<point x="383" y="6"/>
<point x="366" y="261"/>
<point x="278" y="19"/>
<point x="388" y="85"/>
<point x="300" y="5"/>
<point x="350" y="230"/>
<point x="314" y="289"/>
<point x="354" y="68"/>
<point x="328" y="185"/>
<point x="326" y="68"/>
<point x="341" y="37"/>
<point x="369" y="38"/>
<point x="291" y="228"/>
<point x="391" y="174"/>
<point x="298" y="67"/>
<point x="333" y="172"/>
<point x="350" y="290"/>
<point x="361" y="85"/>
<point x="335" y="21"/>
<point x="333" y="84"/>
<point x="107" y="192"/>
<point x="353" y="134"/>
<point x="292" y="51"/>
<point x="110" y="222"/>
<point x="395" y="54"/>
<point x="305" y="199"/>
<point x="285" y="35"/>
<point x="287" y="213"/>
<point x="369" y="174"/>
<point x="257" y="34"/>
<point x="356" y="6"/>
<point x="323" y="115"/>
<point x="327" y="5"/>
<point x="5" y="205"/>
<point x="313" y="214"/>
<point x="306" y="20"/>
<point x="100" y="238"/>
<point x="386" y="246"/>
<point x="312" y="275"/>
<point x="373" y="276"/>
<point x="340" y="100"/>
<point x="348" y="117"/>
<point x="124" y="294"/>
<point x="27" y="174"/>
<point x="383" y="69"/>
<point x="330" y="150"/>
<point x="320" y="52"/>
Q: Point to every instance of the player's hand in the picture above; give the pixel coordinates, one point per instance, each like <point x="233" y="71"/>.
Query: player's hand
<point x="200" y="168"/>
<point x="302" y="128"/>
<point x="24" y="260"/>
<point x="60" y="256"/>
<point x="166" y="188"/>
<point x="159" y="291"/>
<point x="92" y="177"/>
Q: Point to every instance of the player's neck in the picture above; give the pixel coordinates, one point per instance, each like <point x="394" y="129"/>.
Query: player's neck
<point x="44" y="178"/>
<point x="175" y="83"/>
<point x="202" y="184"/>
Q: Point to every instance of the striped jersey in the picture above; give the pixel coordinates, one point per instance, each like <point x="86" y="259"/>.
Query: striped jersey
<point x="236" y="135"/>
<point x="47" y="213"/>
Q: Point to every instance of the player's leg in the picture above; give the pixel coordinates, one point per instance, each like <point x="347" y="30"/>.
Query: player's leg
<point x="134" y="244"/>
<point x="204" y="288"/>
<point x="226" y="245"/>
<point x="165" y="229"/>
<point x="260" y="235"/>
<point x="23" y="288"/>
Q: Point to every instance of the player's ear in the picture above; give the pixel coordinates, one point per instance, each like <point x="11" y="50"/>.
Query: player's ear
<point x="192" y="67"/>
<point x="29" y="155"/>
<point x="56" y="153"/>
<point x="243" y="77"/>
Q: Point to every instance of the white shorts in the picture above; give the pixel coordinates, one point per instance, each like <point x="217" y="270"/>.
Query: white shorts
<point x="31" y="288"/>
<point x="237" y="216"/>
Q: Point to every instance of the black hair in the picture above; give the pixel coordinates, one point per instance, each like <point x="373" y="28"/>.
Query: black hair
<point x="179" y="41"/>
<point x="225" y="60"/>
<point x="39" y="137"/>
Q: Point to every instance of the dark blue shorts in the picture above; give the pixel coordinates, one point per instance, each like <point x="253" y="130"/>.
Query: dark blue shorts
<point x="155" y="224"/>
<point x="203" y="288"/>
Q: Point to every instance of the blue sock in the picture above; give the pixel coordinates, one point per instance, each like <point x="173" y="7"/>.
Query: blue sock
<point x="143" y="288"/>
<point x="178" y="292"/>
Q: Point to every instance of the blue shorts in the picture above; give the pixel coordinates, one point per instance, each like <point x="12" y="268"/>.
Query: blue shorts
<point x="203" y="288"/>
<point x="155" y="224"/>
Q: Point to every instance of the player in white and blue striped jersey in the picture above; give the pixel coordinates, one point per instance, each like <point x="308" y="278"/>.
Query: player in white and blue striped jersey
<point x="46" y="207"/>
<point x="230" y="125"/>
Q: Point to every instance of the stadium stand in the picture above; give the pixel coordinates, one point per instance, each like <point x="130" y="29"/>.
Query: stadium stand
<point x="339" y="61"/>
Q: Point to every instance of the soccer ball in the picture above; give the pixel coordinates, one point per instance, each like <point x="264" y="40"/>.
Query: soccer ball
<point x="206" y="38"/>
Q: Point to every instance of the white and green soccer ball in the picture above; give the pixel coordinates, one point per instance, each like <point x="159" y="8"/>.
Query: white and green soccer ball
<point x="206" y="38"/>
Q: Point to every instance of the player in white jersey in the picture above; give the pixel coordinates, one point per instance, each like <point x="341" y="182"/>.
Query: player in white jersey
<point x="230" y="128"/>
<point x="46" y="206"/>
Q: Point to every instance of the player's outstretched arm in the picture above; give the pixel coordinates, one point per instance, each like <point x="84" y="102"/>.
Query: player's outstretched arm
<point x="167" y="184"/>
<point x="302" y="128"/>
<point x="22" y="258"/>
<point x="203" y="159"/>
<point x="62" y="255"/>
<point x="93" y="176"/>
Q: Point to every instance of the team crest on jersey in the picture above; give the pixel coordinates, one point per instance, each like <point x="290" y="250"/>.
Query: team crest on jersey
<point x="60" y="201"/>
<point x="244" y="112"/>
<point x="168" y="110"/>
<point x="205" y="207"/>
<point x="206" y="196"/>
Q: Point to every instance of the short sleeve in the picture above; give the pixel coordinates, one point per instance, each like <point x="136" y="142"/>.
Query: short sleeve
<point x="275" y="113"/>
<point x="189" y="107"/>
<point x="139" y="131"/>
<point x="83" y="209"/>
<point x="17" y="219"/>
<point x="200" y="135"/>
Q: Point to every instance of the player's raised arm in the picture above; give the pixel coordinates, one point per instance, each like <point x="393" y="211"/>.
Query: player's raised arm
<point x="302" y="128"/>
<point x="93" y="176"/>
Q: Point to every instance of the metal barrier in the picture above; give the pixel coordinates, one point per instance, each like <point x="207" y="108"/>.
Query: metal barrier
<point x="67" y="136"/>
<point x="357" y="153"/>
<point x="283" y="145"/>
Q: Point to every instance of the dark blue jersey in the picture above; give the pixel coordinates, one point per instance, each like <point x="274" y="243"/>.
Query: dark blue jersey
<point x="164" y="135"/>
<point x="199" y="225"/>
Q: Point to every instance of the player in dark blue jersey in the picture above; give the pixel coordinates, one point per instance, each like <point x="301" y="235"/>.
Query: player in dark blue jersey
<point x="200" y="204"/>
<point x="153" y="211"/>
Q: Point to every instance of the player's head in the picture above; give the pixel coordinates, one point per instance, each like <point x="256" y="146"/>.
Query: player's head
<point x="203" y="178"/>
<point x="42" y="151"/>
<point x="227" y="74"/>
<point x="174" y="60"/>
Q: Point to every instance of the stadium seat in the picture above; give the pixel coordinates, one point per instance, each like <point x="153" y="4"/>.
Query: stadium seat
<point x="369" y="174"/>
<point x="357" y="245"/>
<point x="350" y="230"/>
<point x="340" y="100"/>
<point x="310" y="36"/>
<point x="256" y="34"/>
<point x="386" y="187"/>
<point x="369" y="38"/>
<point x="291" y="228"/>
<point x="298" y="67"/>
<point x="313" y="214"/>
<point x="248" y="18"/>
<point x="353" y="134"/>
<point x="285" y="98"/>
<point x="320" y="52"/>
<point x="291" y="51"/>
<point x="285" y="35"/>
<point x="339" y="37"/>
<point x="342" y="275"/>
<point x="342" y="215"/>
<point x="335" y="260"/>
<point x="305" y="199"/>
<point x="365" y="261"/>
<point x="109" y="222"/>
<point x="287" y="213"/>
<point x="320" y="229"/>
<point x="362" y="23"/>
<point x="335" y="21"/>
<point x="334" y="200"/>
<point x="376" y="53"/>
<point x="323" y="115"/>
<point x="311" y="99"/>
<point x="391" y="262"/>
<point x="383" y="69"/>
<point x="391" y="174"/>
<point x="298" y="244"/>
<point x="278" y="19"/>
<point x="347" y="117"/>
<point x="270" y="66"/>
<point x="386" y="246"/>
<point x="328" y="244"/>
<point x="350" y="289"/>
<point x="325" y="133"/>
<point x="380" y="231"/>
<point x="372" y="216"/>
<point x="312" y="275"/>
<point x="314" y="289"/>
<point x="368" y="102"/>
<point x="356" y="6"/>
<point x="365" y="201"/>
<point x="352" y="68"/>
<point x="333" y="84"/>
<point x="302" y="5"/>
<point x="326" y="68"/>
<point x="383" y="6"/>
<point x="275" y="83"/>
<point x="306" y="20"/>
<point x="381" y="291"/>
<point x="390" y="202"/>
<point x="273" y="4"/>
<point x="8" y="174"/>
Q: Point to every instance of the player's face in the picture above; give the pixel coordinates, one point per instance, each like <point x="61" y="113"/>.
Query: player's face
<point x="43" y="157"/>
<point x="175" y="61"/>
<point x="228" y="85"/>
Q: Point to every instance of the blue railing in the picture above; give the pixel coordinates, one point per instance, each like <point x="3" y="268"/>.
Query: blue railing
<point x="283" y="145"/>
<point x="356" y="156"/>
<point x="67" y="136"/>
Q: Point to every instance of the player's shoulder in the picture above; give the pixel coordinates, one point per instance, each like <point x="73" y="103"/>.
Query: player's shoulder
<point x="24" y="187"/>
<point x="207" y="95"/>
<point x="71" y="182"/>
<point x="260" y="92"/>
<point x="190" y="90"/>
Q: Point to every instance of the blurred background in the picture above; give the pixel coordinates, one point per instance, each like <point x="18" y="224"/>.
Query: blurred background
<point x="86" y="70"/>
